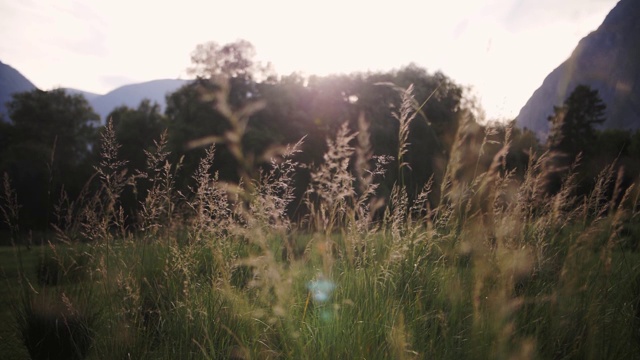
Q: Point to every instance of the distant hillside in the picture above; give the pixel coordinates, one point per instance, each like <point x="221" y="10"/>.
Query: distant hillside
<point x="87" y="95"/>
<point x="608" y="59"/>
<point x="131" y="95"/>
<point x="11" y="81"/>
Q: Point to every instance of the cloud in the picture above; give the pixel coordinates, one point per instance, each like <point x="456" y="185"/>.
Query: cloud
<point x="35" y="29"/>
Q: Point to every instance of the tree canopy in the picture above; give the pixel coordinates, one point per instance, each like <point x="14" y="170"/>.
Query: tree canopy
<point x="236" y="59"/>
<point x="49" y="144"/>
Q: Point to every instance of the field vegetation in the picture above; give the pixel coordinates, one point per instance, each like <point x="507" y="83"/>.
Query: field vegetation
<point x="483" y="260"/>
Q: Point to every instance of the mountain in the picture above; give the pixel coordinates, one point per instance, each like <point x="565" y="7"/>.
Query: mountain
<point x="131" y="95"/>
<point x="87" y="95"/>
<point x="608" y="60"/>
<point x="11" y="81"/>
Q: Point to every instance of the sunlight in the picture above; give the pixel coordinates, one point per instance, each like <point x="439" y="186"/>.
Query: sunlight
<point x="502" y="48"/>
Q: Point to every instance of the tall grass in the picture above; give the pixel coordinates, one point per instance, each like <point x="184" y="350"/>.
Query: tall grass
<point x="498" y="267"/>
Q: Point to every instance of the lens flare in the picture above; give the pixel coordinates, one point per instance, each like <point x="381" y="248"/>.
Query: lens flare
<point x="321" y="289"/>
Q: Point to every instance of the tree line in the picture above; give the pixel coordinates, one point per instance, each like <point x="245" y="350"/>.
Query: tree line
<point x="50" y="147"/>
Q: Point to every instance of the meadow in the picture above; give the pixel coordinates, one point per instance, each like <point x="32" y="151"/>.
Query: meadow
<point x="496" y="267"/>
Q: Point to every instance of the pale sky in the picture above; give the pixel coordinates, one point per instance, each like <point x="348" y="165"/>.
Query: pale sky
<point x="502" y="48"/>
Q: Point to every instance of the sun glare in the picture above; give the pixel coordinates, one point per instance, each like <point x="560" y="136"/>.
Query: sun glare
<point x="502" y="48"/>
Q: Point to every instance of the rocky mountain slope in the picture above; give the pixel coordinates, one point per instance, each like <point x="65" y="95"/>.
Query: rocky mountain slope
<point x="608" y="60"/>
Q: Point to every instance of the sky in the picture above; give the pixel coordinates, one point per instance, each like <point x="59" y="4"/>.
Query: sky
<point x="502" y="49"/>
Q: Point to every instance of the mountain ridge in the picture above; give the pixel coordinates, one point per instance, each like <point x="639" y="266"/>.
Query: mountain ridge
<point x="607" y="59"/>
<point x="11" y="81"/>
<point x="130" y="95"/>
<point x="87" y="94"/>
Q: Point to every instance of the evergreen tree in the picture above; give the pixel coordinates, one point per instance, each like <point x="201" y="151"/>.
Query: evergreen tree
<point x="573" y="124"/>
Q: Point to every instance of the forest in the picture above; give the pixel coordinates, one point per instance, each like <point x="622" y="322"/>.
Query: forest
<point x="368" y="215"/>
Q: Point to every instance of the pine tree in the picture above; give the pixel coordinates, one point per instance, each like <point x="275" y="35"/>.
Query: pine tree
<point x="573" y="124"/>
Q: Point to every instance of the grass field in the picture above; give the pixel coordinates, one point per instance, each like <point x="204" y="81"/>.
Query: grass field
<point x="435" y="301"/>
<point x="499" y="268"/>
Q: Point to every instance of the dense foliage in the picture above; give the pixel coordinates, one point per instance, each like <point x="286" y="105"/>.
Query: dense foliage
<point x="48" y="146"/>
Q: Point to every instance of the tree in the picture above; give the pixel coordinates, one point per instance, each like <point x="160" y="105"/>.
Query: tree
<point x="191" y="115"/>
<point x="49" y="142"/>
<point x="136" y="130"/>
<point x="232" y="65"/>
<point x="231" y="60"/>
<point x="224" y="74"/>
<point x="47" y="116"/>
<point x="573" y="124"/>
